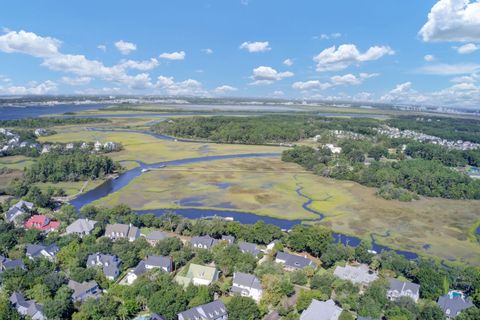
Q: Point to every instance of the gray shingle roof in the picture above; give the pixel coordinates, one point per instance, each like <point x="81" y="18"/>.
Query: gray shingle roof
<point x="321" y="310"/>
<point x="210" y="311"/>
<point x="159" y="262"/>
<point x="453" y="303"/>
<point x="109" y="263"/>
<point x="204" y="241"/>
<point x="26" y="307"/>
<point x="118" y="230"/>
<point x="35" y="250"/>
<point x="229" y="239"/>
<point x="404" y="286"/>
<point x="13" y="212"/>
<point x="156" y="236"/>
<point x="247" y="247"/>
<point x="247" y="280"/>
<point x="83" y="290"/>
<point x="81" y="226"/>
<point x="293" y="261"/>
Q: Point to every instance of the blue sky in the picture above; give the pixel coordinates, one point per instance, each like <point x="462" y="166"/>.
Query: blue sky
<point x="373" y="50"/>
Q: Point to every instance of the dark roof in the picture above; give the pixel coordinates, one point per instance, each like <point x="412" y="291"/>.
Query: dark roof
<point x="293" y="261"/>
<point x="156" y="235"/>
<point x="18" y="300"/>
<point x="247" y="247"/>
<point x="7" y="264"/>
<point x="453" y="303"/>
<point x="159" y="261"/>
<point x="401" y="286"/>
<point x="109" y="263"/>
<point x="247" y="280"/>
<point x="34" y="250"/>
<point x="209" y="311"/>
<point x="13" y="212"/>
<point x="155" y="317"/>
<point x="229" y="239"/>
<point x="205" y="241"/>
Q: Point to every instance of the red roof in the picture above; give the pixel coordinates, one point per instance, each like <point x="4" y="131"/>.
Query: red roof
<point x="41" y="222"/>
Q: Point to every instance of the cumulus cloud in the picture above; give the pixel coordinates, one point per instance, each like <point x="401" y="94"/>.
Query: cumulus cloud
<point x="29" y="43"/>
<point x="33" y="88"/>
<point x="453" y="20"/>
<point x="450" y="69"/>
<point x="429" y="58"/>
<point x="257" y="46"/>
<point x="178" y="55"/>
<point x="467" y="48"/>
<point x="187" y="87"/>
<point x="278" y="93"/>
<point x="102" y="47"/>
<point x="125" y="47"/>
<point x="221" y="90"/>
<point x="403" y="93"/>
<point x="77" y="81"/>
<point x="268" y="75"/>
<point x="350" y="79"/>
<point x="139" y="65"/>
<point x="311" y="85"/>
<point x="288" y="62"/>
<point x="333" y="58"/>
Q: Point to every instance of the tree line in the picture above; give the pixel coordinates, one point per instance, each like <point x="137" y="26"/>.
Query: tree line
<point x="43" y="122"/>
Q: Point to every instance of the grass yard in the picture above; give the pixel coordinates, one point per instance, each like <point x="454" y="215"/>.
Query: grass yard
<point x="267" y="186"/>
<point x="71" y="188"/>
<point x="15" y="162"/>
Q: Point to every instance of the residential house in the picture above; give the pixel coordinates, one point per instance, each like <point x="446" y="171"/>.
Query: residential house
<point x="69" y="146"/>
<point x="453" y="303"/>
<point x="81" y="227"/>
<point x="247" y="247"/>
<point x="8" y="264"/>
<point x="155" y="236"/>
<point x="204" y="242"/>
<point x="40" y="251"/>
<point x="247" y="285"/>
<point x="42" y="223"/>
<point x="110" y="264"/>
<point x="46" y="148"/>
<point x="321" y="310"/>
<point x="198" y="275"/>
<point x="40" y="132"/>
<point x="84" y="290"/>
<point x="398" y="289"/>
<point x="154" y="316"/>
<point x="27" y="308"/>
<point x="228" y="239"/>
<point x="215" y="310"/>
<point x="20" y="208"/>
<point x="150" y="263"/>
<point x="98" y="146"/>
<point x="356" y="274"/>
<point x="122" y="231"/>
<point x="271" y="245"/>
<point x="293" y="262"/>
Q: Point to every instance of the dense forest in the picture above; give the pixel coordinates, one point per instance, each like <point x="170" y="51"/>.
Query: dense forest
<point x="423" y="177"/>
<point x="46" y="282"/>
<point x="71" y="166"/>
<point x="446" y="128"/>
<point x="260" y="130"/>
<point x="49" y="122"/>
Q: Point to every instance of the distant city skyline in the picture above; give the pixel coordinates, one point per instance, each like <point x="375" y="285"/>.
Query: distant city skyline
<point x="410" y="52"/>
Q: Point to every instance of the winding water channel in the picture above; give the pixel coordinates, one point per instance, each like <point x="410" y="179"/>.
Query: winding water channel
<point x="125" y="178"/>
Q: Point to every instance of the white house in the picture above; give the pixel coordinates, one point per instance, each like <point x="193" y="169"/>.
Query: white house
<point x="247" y="285"/>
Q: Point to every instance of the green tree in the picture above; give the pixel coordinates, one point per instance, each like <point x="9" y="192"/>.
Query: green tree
<point x="242" y="308"/>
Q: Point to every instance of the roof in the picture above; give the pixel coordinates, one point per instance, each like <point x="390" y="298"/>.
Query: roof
<point x="295" y="261"/>
<point x="110" y="263"/>
<point x="140" y="268"/>
<point x="454" y="302"/>
<point x="7" y="264"/>
<point x="81" y="226"/>
<point x="41" y="222"/>
<point x="403" y="286"/>
<point x="246" y="280"/>
<point x="80" y="289"/>
<point x="209" y="311"/>
<point x="247" y="247"/>
<point x="321" y="310"/>
<point x="156" y="235"/>
<point x="201" y="272"/>
<point x="159" y="261"/>
<point x="125" y="231"/>
<point x="205" y="241"/>
<point x="35" y="250"/>
<point x="155" y="316"/>
<point x="356" y="274"/>
<point x="13" y="212"/>
<point x="22" y="203"/>
<point x="18" y="300"/>
<point x="229" y="239"/>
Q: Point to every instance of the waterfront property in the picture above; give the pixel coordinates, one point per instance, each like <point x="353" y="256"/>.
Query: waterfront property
<point x="360" y="274"/>
<point x="41" y="223"/>
<point x="155" y="236"/>
<point x="453" y="303"/>
<point x="247" y="247"/>
<point x="20" y="208"/>
<point x="122" y="231"/>
<point x="398" y="289"/>
<point x="81" y="227"/>
<point x="215" y="310"/>
<point x="204" y="242"/>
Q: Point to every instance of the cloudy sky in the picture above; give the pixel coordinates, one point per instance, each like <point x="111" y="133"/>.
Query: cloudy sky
<point x="407" y="51"/>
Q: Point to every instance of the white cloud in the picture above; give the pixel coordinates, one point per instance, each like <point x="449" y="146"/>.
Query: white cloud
<point x="467" y="48"/>
<point x="125" y="47"/>
<point x="325" y="36"/>
<point x="311" y="85"/>
<point x="78" y="81"/>
<point x="256" y="46"/>
<point x="33" y="88"/>
<point x="221" y="90"/>
<point x="207" y="51"/>
<point x="350" y="79"/>
<point x="267" y="75"/>
<point x="453" y="20"/>
<point x="189" y="87"/>
<point x="178" y="55"/>
<point x="288" y="62"/>
<point x="466" y="79"/>
<point x="102" y="47"/>
<point x="450" y="69"/>
<point x="332" y="59"/>
<point x="139" y="65"/>
<point x="278" y="93"/>
<point x="429" y="58"/>
<point x="403" y="93"/>
<point x="29" y="43"/>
